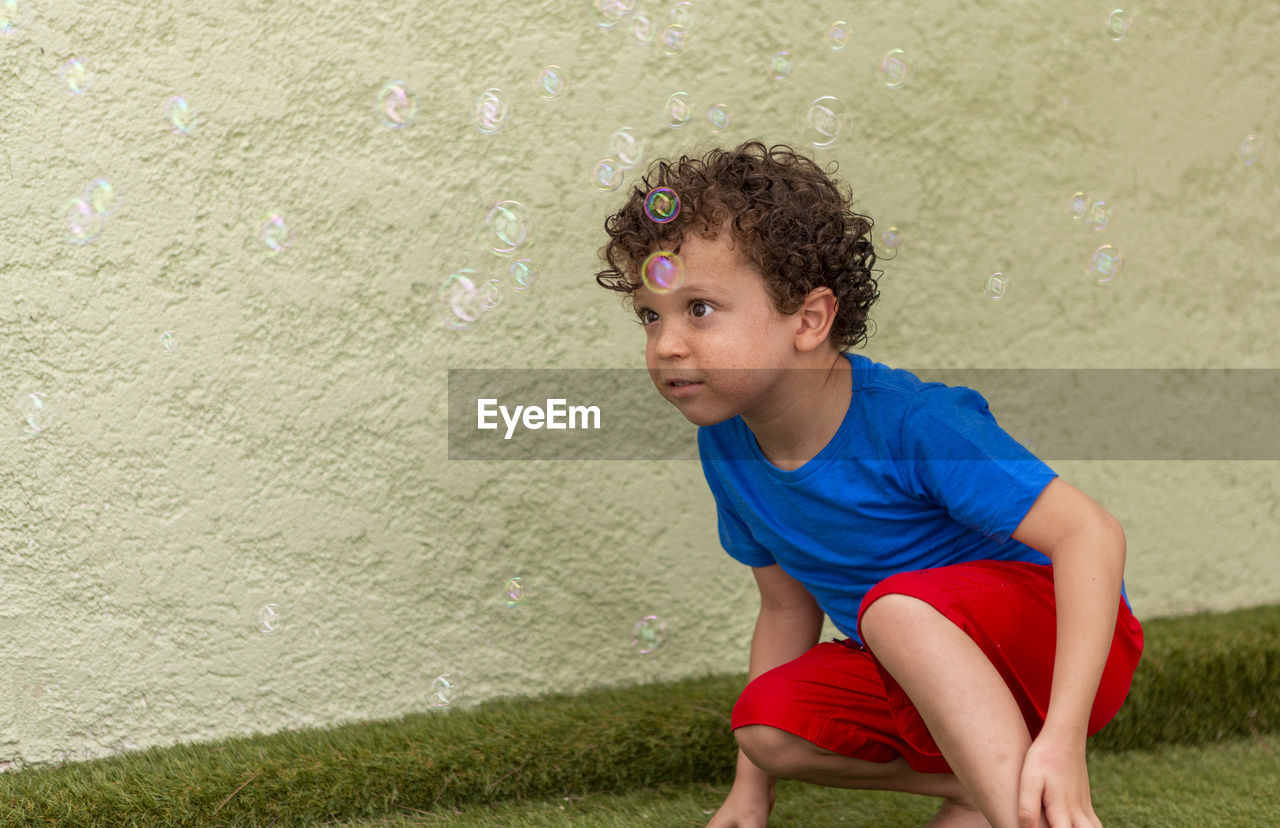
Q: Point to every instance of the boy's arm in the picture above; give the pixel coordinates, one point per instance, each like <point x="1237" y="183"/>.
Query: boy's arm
<point x="788" y="625"/>
<point x="1087" y="547"/>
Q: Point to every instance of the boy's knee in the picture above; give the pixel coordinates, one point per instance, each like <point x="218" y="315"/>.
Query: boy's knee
<point x="893" y="616"/>
<point x="773" y="751"/>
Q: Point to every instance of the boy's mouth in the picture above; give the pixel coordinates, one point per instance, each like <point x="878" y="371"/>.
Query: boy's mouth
<point x="682" y="388"/>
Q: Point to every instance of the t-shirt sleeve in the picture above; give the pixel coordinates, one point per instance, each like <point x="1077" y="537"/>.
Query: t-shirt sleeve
<point x="955" y="454"/>
<point x="735" y="537"/>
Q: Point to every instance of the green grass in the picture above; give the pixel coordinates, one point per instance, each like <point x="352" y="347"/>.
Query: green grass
<point x="1203" y="680"/>
<point x="1229" y="783"/>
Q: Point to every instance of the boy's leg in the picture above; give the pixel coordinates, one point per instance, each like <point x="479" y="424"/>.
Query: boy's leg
<point x="962" y="699"/>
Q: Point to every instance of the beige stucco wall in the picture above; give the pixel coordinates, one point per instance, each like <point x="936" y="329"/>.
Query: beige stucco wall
<point x="292" y="450"/>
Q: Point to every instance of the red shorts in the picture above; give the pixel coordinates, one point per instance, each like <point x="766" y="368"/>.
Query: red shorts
<point x="839" y="697"/>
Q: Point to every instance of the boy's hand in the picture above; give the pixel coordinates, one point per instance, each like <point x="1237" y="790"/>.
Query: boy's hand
<point x="1055" y="781"/>
<point x="744" y="808"/>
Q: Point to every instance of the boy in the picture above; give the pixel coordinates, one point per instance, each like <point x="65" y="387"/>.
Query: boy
<point x="981" y="594"/>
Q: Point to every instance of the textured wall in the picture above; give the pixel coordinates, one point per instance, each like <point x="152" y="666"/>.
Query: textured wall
<point x="291" y="451"/>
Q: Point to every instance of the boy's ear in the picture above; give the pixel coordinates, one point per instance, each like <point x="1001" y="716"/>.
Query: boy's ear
<point x="816" y="316"/>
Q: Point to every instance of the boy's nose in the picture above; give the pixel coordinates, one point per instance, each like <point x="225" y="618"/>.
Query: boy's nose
<point x="670" y="343"/>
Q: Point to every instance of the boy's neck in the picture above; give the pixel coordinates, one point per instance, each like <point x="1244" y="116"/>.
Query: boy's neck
<point x="810" y="411"/>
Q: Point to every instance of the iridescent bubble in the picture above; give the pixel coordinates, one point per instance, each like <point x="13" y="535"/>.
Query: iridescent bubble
<point x="491" y="112"/>
<point x="76" y="76"/>
<point x="460" y="302"/>
<point x="12" y="13"/>
<point x="643" y="30"/>
<point x="607" y="174"/>
<point x="1105" y="264"/>
<point x="491" y="294"/>
<point x="679" y="110"/>
<point x="1118" y="24"/>
<point x="839" y="34"/>
<point x="780" y="66"/>
<point x="718" y="117"/>
<point x="1250" y="148"/>
<point x="513" y="592"/>
<point x="524" y="274"/>
<point x="662" y="204"/>
<point x="894" y="69"/>
<point x="1078" y="206"/>
<point x="274" y="232"/>
<point x="180" y="116"/>
<point x="443" y="690"/>
<point x="674" y="38"/>
<point x="608" y="13"/>
<point x="892" y="239"/>
<point x="650" y="633"/>
<point x="101" y="196"/>
<point x="682" y="14"/>
<point x="395" y="105"/>
<point x="269" y="621"/>
<point x="1100" y="215"/>
<point x="510" y="227"/>
<point x="550" y="82"/>
<point x="169" y="342"/>
<point x="36" y="413"/>
<point x="825" y="122"/>
<point x="997" y="286"/>
<point x="662" y="271"/>
<point x="627" y="148"/>
<point x="80" y="222"/>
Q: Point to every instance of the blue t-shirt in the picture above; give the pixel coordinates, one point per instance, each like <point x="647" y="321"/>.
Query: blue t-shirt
<point x="919" y="475"/>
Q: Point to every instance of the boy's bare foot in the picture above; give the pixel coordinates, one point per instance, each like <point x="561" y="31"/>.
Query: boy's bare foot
<point x="958" y="814"/>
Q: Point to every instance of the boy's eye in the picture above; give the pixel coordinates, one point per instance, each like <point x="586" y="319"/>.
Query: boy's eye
<point x="643" y="313"/>
<point x="697" y="304"/>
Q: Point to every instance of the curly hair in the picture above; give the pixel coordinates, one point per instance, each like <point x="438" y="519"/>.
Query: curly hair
<point x="790" y="218"/>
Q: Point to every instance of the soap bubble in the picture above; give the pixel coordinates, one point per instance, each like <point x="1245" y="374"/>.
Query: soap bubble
<point x="663" y="271"/>
<point x="169" y="342"/>
<point x="513" y="592"/>
<point x="510" y="227"/>
<point x="1118" y="24"/>
<point x="180" y="116"/>
<point x="679" y="110"/>
<point x="524" y="274"/>
<point x="491" y="294"/>
<point x="1250" y="148"/>
<point x="1105" y="264"/>
<point x="12" y="16"/>
<point x="682" y="14"/>
<point x="460" y="302"/>
<point x="80" y="222"/>
<point x="1078" y="206"/>
<point x="607" y="174"/>
<point x="825" y="122"/>
<point x="627" y="148"/>
<point x="395" y="105"/>
<point x="1100" y="215"/>
<point x="491" y="112"/>
<point x="780" y="66"/>
<point x="550" y="82"/>
<point x="443" y="690"/>
<point x="643" y="30"/>
<point x="674" y="38"/>
<point x="650" y="634"/>
<point x="274" y="232"/>
<point x="838" y="35"/>
<point x="718" y="117"/>
<point x="101" y="196"/>
<point x="892" y="240"/>
<point x="894" y="69"/>
<point x="77" y="76"/>
<point x="997" y="286"/>
<point x="36" y="413"/>
<point x="662" y="204"/>
<point x="269" y="621"/>
<point x="608" y="13"/>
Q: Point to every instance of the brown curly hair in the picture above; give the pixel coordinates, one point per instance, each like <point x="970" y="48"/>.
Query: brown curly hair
<point x="789" y="216"/>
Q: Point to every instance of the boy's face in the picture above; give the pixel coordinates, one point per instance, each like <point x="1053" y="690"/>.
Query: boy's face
<point x="720" y="331"/>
